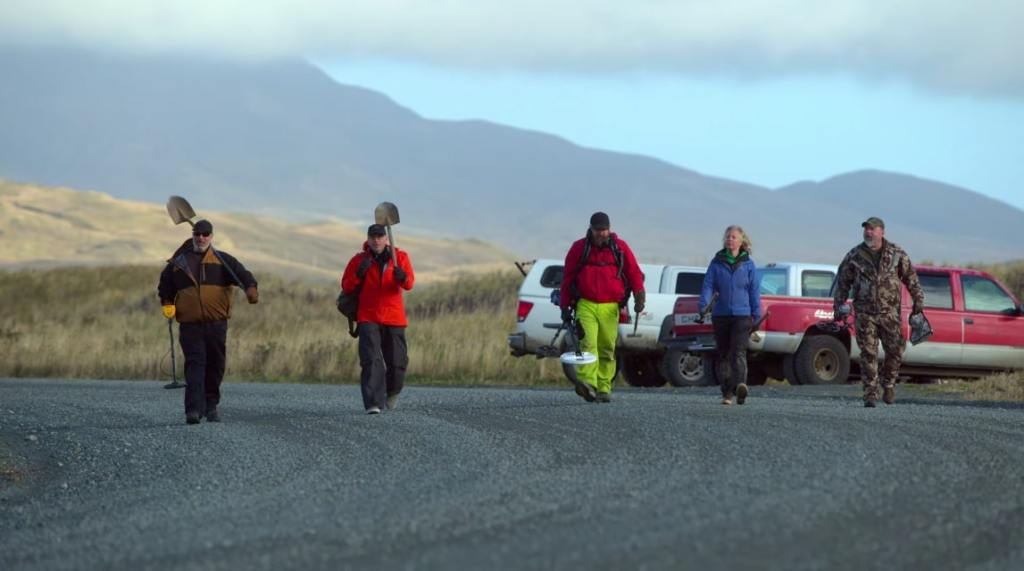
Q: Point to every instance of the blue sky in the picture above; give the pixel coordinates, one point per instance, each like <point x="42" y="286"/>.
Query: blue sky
<point x="769" y="132"/>
<point x="763" y="91"/>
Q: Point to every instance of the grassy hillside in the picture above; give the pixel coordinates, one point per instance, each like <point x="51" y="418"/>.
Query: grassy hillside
<point x="46" y="227"/>
<point x="106" y="323"/>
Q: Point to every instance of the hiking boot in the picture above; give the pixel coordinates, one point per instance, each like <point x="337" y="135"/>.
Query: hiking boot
<point x="869" y="403"/>
<point x="373" y="410"/>
<point x="392" y="401"/>
<point x="741" y="393"/>
<point x="586" y="391"/>
<point x="212" y="415"/>
<point x="889" y="395"/>
<point x="192" y="418"/>
<point x="727" y="399"/>
<point x="603" y="397"/>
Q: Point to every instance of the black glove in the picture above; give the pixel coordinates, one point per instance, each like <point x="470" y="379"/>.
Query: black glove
<point x="364" y="267"/>
<point x="566" y="315"/>
<point x="639" y="298"/>
<point x="400" y="275"/>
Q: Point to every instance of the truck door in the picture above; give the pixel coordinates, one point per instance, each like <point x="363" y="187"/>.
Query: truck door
<point x="945" y="347"/>
<point x="993" y="326"/>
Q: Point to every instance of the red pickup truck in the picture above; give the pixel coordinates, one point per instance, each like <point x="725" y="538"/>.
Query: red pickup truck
<point x="978" y="328"/>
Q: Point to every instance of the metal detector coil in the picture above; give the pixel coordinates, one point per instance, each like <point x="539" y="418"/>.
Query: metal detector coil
<point x="577" y="359"/>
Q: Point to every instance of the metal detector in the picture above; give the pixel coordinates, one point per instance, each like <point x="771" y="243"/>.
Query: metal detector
<point x="386" y="214"/>
<point x="174" y="368"/>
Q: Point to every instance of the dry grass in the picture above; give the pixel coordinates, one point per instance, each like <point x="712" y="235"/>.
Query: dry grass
<point x="1005" y="387"/>
<point x="106" y="323"/>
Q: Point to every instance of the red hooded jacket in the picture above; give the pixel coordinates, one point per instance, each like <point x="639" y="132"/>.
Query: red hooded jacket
<point x="598" y="279"/>
<point x="380" y="300"/>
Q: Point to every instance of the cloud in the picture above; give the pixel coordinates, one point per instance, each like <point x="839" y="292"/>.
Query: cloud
<point x="950" y="46"/>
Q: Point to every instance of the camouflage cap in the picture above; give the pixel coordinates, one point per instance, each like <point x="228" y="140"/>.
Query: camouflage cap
<point x="874" y="222"/>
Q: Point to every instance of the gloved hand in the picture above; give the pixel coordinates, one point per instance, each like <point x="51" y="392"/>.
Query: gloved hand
<point x="400" y="275"/>
<point x="169" y="311"/>
<point x="252" y="295"/>
<point x="364" y="267"/>
<point x="566" y="315"/>
<point x="639" y="298"/>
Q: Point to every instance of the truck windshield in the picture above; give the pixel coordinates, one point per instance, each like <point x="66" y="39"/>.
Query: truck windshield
<point x="773" y="281"/>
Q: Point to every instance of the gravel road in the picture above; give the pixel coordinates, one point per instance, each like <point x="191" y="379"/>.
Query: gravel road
<point x="106" y="475"/>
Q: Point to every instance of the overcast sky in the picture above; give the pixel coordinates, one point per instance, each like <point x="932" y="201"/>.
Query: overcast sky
<point x="766" y="92"/>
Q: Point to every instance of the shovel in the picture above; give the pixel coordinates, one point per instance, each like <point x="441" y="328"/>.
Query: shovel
<point x="174" y="368"/>
<point x="181" y="211"/>
<point x="386" y="214"/>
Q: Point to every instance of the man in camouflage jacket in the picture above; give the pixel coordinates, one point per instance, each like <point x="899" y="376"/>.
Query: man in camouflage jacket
<point x="872" y="273"/>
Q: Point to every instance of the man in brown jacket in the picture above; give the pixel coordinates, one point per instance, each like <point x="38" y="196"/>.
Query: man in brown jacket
<point x="196" y="288"/>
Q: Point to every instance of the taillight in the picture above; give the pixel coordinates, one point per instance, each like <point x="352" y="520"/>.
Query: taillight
<point x="624" y="315"/>
<point x="523" y="311"/>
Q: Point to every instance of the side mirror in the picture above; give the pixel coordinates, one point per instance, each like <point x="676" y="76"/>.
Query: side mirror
<point x="556" y="296"/>
<point x="1020" y="310"/>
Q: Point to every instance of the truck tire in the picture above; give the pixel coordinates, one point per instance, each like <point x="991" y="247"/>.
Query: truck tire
<point x="822" y="360"/>
<point x="641" y="370"/>
<point x="685" y="369"/>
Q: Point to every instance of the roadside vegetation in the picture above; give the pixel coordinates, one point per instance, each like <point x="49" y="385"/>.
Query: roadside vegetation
<point x="105" y="323"/>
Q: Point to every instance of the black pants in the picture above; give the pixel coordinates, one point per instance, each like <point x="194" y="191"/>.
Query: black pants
<point x="204" y="346"/>
<point x="731" y="336"/>
<point x="383" y="356"/>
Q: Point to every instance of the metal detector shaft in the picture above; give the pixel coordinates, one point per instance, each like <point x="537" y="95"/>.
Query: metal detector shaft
<point x="174" y="368"/>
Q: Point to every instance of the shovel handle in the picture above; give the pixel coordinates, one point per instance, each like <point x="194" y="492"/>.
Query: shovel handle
<point x="391" y="242"/>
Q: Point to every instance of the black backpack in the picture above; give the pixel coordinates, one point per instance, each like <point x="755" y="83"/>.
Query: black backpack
<point x="619" y="263"/>
<point x="348" y="303"/>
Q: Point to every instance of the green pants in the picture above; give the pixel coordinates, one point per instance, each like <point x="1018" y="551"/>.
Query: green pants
<point x="600" y="323"/>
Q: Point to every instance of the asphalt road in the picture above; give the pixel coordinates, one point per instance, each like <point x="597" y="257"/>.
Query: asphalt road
<point x="106" y="475"/>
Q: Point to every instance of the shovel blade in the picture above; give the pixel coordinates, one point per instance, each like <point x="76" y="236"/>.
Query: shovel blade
<point x="386" y="213"/>
<point x="180" y="210"/>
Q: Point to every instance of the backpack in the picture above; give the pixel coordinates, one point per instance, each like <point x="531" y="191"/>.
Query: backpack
<point x="619" y="263"/>
<point x="348" y="303"/>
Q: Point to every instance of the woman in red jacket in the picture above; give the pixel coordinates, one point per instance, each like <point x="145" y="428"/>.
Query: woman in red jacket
<point x="383" y="353"/>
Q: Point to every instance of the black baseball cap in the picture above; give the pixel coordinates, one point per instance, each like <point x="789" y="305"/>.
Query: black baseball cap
<point x="203" y="227"/>
<point x="376" y="230"/>
<point x="600" y="221"/>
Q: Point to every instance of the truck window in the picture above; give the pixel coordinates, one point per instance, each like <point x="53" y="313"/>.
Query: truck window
<point x="688" y="283"/>
<point x="937" y="291"/>
<point x="552" y="276"/>
<point x="816" y="283"/>
<point x="773" y="281"/>
<point x="982" y="294"/>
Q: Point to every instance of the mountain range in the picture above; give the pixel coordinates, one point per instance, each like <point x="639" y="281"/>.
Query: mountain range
<point x="281" y="138"/>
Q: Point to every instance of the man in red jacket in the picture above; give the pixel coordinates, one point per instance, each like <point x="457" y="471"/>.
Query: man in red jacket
<point x="600" y="272"/>
<point x="383" y="353"/>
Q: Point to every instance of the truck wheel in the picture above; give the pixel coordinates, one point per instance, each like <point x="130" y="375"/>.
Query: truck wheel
<point x="685" y="369"/>
<point x="822" y="360"/>
<point x="641" y="371"/>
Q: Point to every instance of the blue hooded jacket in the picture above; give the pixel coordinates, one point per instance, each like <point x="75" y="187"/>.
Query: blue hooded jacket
<point x="737" y="284"/>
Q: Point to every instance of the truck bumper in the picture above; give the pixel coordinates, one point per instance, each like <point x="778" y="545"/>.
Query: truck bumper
<point x="517" y="344"/>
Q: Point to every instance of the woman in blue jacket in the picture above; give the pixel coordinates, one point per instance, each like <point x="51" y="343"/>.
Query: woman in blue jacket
<point x="731" y="275"/>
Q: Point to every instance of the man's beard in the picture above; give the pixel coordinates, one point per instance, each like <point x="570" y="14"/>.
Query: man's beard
<point x="199" y="249"/>
<point x="599" y="241"/>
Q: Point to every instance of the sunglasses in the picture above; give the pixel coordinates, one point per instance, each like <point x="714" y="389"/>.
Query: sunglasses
<point x="203" y="234"/>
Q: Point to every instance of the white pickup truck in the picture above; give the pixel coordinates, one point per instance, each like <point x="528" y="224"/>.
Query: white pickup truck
<point x="639" y="355"/>
<point x="688" y="369"/>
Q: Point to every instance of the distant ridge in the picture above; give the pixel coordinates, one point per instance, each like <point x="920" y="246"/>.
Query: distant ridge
<point x="283" y="138"/>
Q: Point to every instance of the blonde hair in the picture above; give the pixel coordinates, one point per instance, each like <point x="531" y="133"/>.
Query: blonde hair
<point x="745" y="244"/>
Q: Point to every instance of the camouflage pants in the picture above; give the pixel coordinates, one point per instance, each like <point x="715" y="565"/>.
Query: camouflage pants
<point x="870" y="330"/>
